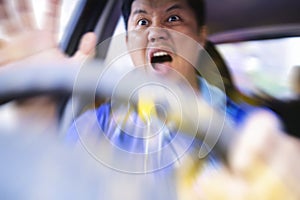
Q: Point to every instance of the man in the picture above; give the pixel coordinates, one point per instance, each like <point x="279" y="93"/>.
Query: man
<point x="160" y="38"/>
<point x="151" y="26"/>
<point x="155" y="43"/>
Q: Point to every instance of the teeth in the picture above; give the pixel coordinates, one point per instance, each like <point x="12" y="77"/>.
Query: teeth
<point x="160" y="53"/>
<point x="160" y="57"/>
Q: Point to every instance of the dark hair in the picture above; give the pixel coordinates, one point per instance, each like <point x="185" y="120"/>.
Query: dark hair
<point x="197" y="5"/>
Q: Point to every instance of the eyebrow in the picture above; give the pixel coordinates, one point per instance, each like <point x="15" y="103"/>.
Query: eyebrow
<point x="174" y="7"/>
<point x="139" y="11"/>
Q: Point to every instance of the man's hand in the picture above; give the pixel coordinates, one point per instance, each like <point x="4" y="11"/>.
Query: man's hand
<point x="23" y="40"/>
<point x="24" y="43"/>
<point x="263" y="164"/>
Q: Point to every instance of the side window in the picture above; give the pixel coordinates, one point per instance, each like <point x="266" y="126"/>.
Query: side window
<point x="263" y="65"/>
<point x="118" y="55"/>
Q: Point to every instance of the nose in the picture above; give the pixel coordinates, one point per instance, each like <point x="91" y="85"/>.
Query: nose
<point x="157" y="34"/>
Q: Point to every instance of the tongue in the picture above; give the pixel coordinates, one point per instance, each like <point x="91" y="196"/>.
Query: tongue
<point x="162" y="68"/>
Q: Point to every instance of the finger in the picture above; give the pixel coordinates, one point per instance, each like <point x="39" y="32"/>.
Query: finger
<point x="86" y="47"/>
<point x="7" y="22"/>
<point x="51" y="20"/>
<point x="3" y="13"/>
<point x="3" y="56"/>
<point x="2" y="43"/>
<point x="286" y="162"/>
<point x="88" y="43"/>
<point x="26" y="14"/>
<point x="260" y="135"/>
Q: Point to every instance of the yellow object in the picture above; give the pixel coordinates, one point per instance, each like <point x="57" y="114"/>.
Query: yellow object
<point x="146" y="107"/>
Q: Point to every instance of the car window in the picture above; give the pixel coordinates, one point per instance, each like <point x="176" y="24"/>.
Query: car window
<point x="117" y="55"/>
<point x="263" y="65"/>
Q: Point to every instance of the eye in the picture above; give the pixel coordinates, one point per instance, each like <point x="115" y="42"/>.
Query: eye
<point x="143" y="22"/>
<point x="173" y="18"/>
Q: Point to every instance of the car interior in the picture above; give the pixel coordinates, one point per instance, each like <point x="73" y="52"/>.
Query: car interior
<point x="255" y="54"/>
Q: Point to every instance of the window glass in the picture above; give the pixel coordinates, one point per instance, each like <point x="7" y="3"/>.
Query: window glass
<point x="263" y="65"/>
<point x="118" y="56"/>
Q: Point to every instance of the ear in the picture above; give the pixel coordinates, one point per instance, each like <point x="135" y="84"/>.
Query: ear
<point x="202" y="35"/>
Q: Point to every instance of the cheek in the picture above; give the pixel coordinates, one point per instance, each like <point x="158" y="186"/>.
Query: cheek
<point x="187" y="48"/>
<point x="137" y="58"/>
<point x="136" y="44"/>
<point x="136" y="40"/>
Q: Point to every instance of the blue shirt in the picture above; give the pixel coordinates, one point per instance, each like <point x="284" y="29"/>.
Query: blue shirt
<point x="109" y="130"/>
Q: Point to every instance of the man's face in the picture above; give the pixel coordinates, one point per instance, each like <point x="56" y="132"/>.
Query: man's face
<point x="164" y="36"/>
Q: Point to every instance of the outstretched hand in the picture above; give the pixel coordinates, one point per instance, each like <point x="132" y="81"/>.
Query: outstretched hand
<point x="263" y="164"/>
<point x="23" y="40"/>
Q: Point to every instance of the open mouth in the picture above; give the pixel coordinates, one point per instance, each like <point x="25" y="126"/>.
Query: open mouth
<point x="160" y="57"/>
